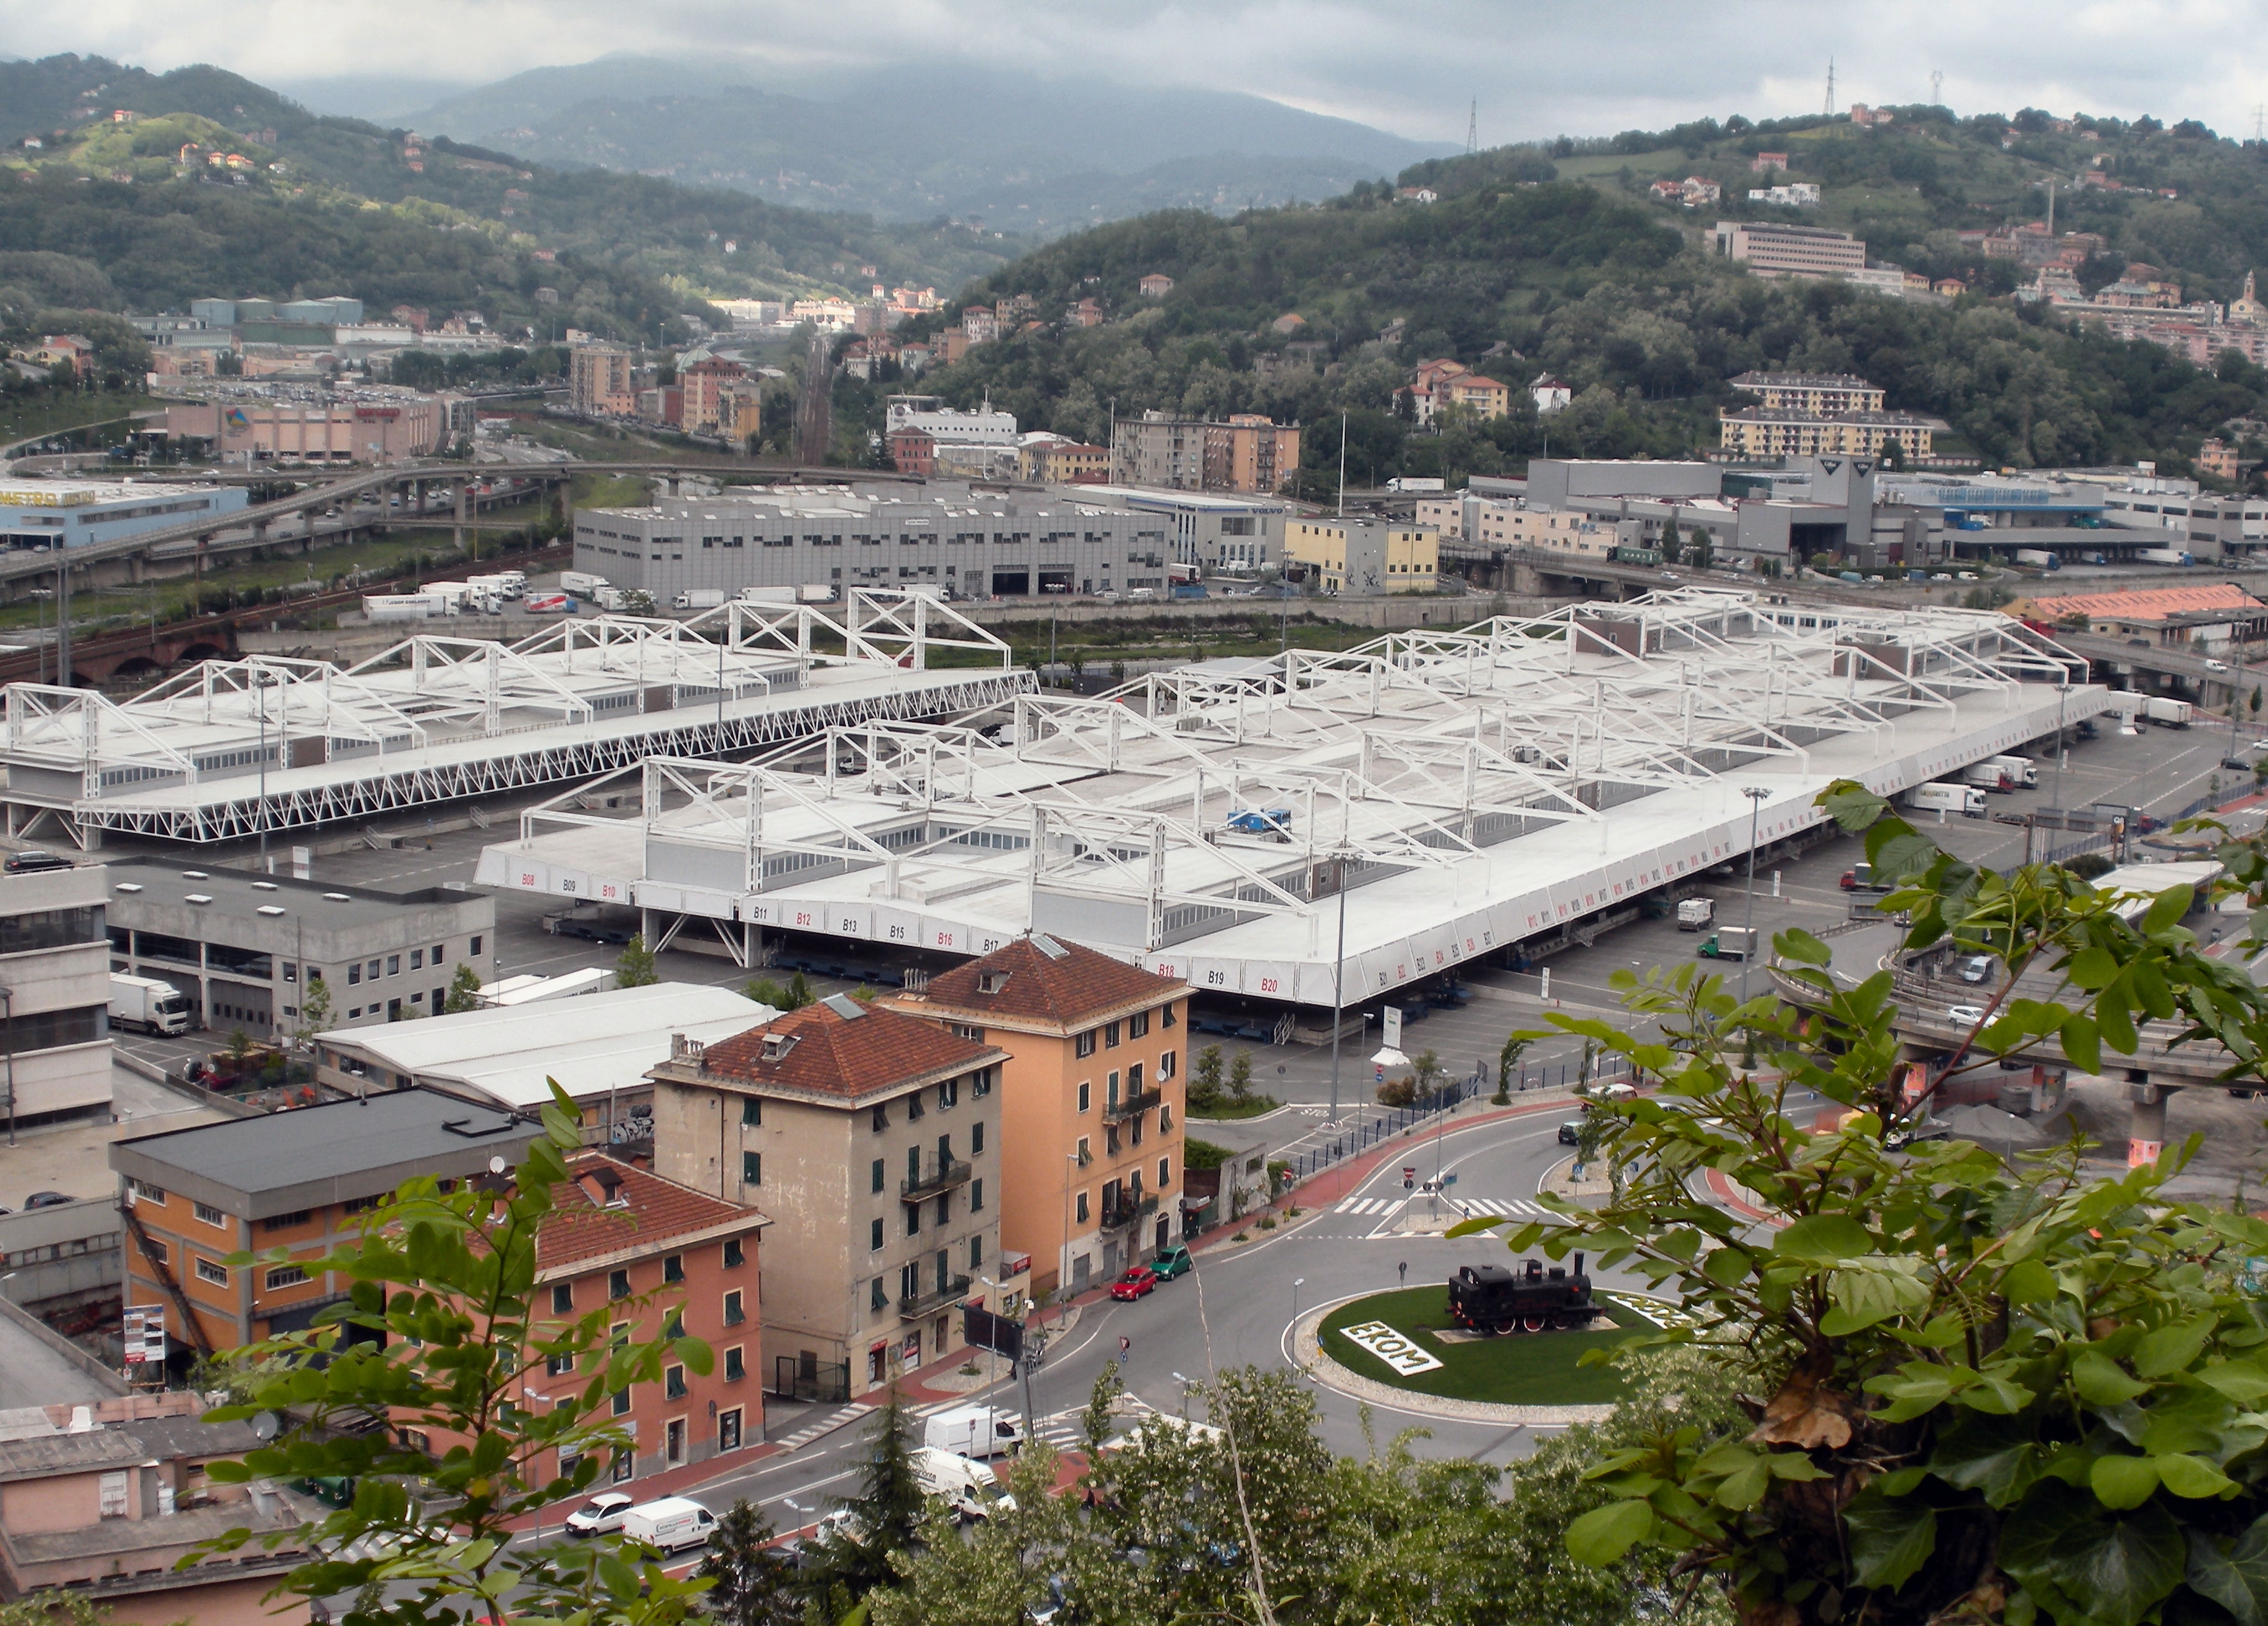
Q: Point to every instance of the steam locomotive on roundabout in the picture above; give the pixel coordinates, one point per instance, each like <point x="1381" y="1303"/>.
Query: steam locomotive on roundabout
<point x="1495" y="1299"/>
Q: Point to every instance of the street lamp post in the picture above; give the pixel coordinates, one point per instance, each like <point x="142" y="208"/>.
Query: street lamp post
<point x="1184" y="1382"/>
<point x="2055" y="793"/>
<point x="1298" y="1282"/>
<point x="1756" y="795"/>
<point x="260" y="699"/>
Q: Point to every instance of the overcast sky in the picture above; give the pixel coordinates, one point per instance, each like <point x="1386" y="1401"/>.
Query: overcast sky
<point x="1409" y="66"/>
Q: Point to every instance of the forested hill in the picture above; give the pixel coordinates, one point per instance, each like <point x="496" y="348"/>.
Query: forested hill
<point x="1533" y="261"/>
<point x="333" y="205"/>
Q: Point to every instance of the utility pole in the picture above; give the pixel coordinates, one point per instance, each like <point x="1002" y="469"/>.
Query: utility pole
<point x="1473" y="129"/>
<point x="1937" y="87"/>
<point x="1756" y="795"/>
<point x="1829" y="108"/>
<point x="1343" y="440"/>
<point x="1338" y="987"/>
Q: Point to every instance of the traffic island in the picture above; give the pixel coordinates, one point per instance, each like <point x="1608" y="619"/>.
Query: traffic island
<point x="1400" y="1349"/>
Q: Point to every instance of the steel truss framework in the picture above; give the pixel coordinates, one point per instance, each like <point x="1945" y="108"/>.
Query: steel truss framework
<point x="184" y="760"/>
<point x="1207" y="800"/>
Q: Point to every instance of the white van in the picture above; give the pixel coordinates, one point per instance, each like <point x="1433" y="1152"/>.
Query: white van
<point x="969" y="1488"/>
<point x="672" y="1523"/>
<point x="972" y="1432"/>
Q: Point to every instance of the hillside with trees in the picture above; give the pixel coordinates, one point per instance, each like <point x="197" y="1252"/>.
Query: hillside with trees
<point x="1553" y="260"/>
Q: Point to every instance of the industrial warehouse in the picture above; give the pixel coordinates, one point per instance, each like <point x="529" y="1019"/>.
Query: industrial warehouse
<point x="1317" y="828"/>
<point x="230" y="749"/>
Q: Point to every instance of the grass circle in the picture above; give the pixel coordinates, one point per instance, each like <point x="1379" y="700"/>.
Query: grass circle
<point x="1518" y="1369"/>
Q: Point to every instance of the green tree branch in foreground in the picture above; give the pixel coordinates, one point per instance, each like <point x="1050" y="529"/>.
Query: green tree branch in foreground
<point x="1986" y="1390"/>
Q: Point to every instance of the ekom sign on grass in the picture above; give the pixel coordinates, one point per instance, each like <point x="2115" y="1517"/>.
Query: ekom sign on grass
<point x="1397" y="1349"/>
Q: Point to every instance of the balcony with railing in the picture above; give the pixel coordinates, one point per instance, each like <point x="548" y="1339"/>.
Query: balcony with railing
<point x="1127" y="1211"/>
<point x="1132" y="1106"/>
<point x="913" y="1306"/>
<point x="941" y="1175"/>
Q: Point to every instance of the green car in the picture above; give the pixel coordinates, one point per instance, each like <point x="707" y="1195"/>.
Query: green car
<point x="1171" y="1263"/>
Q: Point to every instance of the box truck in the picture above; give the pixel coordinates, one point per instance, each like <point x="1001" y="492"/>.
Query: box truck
<point x="2020" y="771"/>
<point x="550" y="604"/>
<point x="147" y="1005"/>
<point x="399" y="607"/>
<point x="699" y="598"/>
<point x="1728" y="942"/>
<point x="1695" y="912"/>
<point x="1942" y="796"/>
<point x="2040" y="556"/>
<point x="969" y="1488"/>
<point x="976" y="1431"/>
<point x="2166" y="711"/>
<point x="1987" y="775"/>
<point x="816" y="592"/>
<point x="672" y="1523"/>
<point x="768" y="595"/>
<point x="580" y="582"/>
<point x="504" y="584"/>
<point x="2165" y="556"/>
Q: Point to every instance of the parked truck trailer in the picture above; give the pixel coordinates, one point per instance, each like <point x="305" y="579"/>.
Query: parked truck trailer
<point x="1941" y="795"/>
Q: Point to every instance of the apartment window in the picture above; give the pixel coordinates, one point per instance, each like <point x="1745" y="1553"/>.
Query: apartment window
<point x="751" y="1168"/>
<point x="477" y="948"/>
<point x="878" y="1298"/>
<point x="394" y="965"/>
<point x="948" y="1095"/>
<point x="211" y="1215"/>
<point x="436" y="953"/>
<point x="944" y="1209"/>
<point x="618" y="1284"/>
<point x="976" y="1196"/>
<point x="1082" y="1208"/>
<point x="208" y="1272"/>
<point x="563" y="1298"/>
<point x="975" y="1252"/>
<point x="913" y="1165"/>
<point x="1165" y="1172"/>
<point x="290" y="971"/>
<point x="1165" y="1016"/>
<point x="910" y="1280"/>
<point x="735" y="1255"/>
<point x="1085" y="1094"/>
<point x="874" y="1236"/>
<point x="146" y="1192"/>
<point x="1084" y="1045"/>
<point x="1109" y="1140"/>
<point x="913" y="1108"/>
<point x="736" y="1367"/>
<point x="153" y="1250"/>
<point x="1111" y="1036"/>
<point x="417" y="960"/>
<point x="752" y="1111"/>
<point x="878" y="1176"/>
<point x="673" y="1268"/>
<point x="285" y="1222"/>
<point x="673" y="1326"/>
<point x="625" y="1462"/>
<point x="980" y="1083"/>
<point x="879" y="1119"/>
<point x="1166" y="1118"/>
<point x="1085" y="1156"/>
<point x="621" y="1410"/>
<point x="733" y="1314"/>
<point x="673" y="1382"/>
<point x="559" y="1365"/>
<point x="1165" y="1065"/>
<point x="286" y="1276"/>
<point x="913" y="1219"/>
<point x="976" y="1138"/>
<point x="370" y="970"/>
<point x="353" y="975"/>
<point x="1138" y="1026"/>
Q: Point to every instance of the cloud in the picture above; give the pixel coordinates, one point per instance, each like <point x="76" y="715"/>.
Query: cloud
<point x="1411" y="66"/>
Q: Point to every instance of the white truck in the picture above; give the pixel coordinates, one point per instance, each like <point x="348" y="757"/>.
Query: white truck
<point x="969" y="1488"/>
<point x="672" y="1523"/>
<point x="2040" y="557"/>
<point x="2166" y="711"/>
<point x="2021" y="771"/>
<point x="699" y="598"/>
<point x="1986" y="776"/>
<point x="972" y="1432"/>
<point x="2165" y="556"/>
<point x="816" y="592"/>
<point x="147" y="1005"/>
<point x="463" y="598"/>
<point x="1939" y="796"/>
<point x="1695" y="912"/>
<point x="399" y="607"/>
<point x="504" y="584"/>
<point x="627" y="600"/>
<point x="582" y="583"/>
<point x="768" y="595"/>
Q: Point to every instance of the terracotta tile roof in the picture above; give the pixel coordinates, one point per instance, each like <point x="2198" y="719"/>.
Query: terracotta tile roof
<point x="654" y="1211"/>
<point x="844" y="1055"/>
<point x="1072" y="987"/>
<point x="2146" y="604"/>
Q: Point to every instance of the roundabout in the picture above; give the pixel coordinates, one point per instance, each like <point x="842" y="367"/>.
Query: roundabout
<point x="1400" y="1349"/>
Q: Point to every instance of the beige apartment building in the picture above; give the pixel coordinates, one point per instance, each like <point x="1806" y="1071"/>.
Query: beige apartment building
<point x="1771" y="249"/>
<point x="1769" y="432"/>
<point x="1811" y="392"/>
<point x="873" y="1142"/>
<point x="1355" y="556"/>
<point x="1248" y="453"/>
<point x="1093" y="1100"/>
<point x="1553" y="530"/>
<point x="599" y="381"/>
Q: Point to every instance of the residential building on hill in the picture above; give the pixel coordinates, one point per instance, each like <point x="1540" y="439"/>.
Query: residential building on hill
<point x="873" y="1140"/>
<point x="599" y="381"/>
<point x="1811" y="392"/>
<point x="1246" y="452"/>
<point x="1764" y="432"/>
<point x="1092" y="1100"/>
<point x="1771" y="249"/>
<point x="55" y="969"/>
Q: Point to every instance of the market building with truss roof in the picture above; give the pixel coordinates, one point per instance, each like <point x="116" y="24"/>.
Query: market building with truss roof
<point x="1461" y="793"/>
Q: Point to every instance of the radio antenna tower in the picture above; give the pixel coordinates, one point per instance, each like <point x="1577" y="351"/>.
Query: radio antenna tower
<point x="1473" y="127"/>
<point x="1829" y="108"/>
<point x="1937" y="88"/>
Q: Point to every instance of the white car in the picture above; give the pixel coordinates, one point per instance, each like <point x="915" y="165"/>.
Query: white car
<point x="2216" y="666"/>
<point x="602" y="1515"/>
<point x="1967" y="1016"/>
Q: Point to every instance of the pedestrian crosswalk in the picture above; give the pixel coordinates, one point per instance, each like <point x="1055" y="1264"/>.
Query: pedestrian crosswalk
<point x="1504" y="1207"/>
<point x="810" y="1431"/>
<point x="1366" y="1205"/>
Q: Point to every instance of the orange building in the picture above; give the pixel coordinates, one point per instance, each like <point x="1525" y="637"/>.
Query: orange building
<point x="712" y="387"/>
<point x="301" y="1179"/>
<point x="599" y="381"/>
<point x="1093" y="1100"/>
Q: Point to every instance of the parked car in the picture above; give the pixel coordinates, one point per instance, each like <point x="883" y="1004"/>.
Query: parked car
<point x="1171" y="1262"/>
<point x="32" y="860"/>
<point x="602" y="1515"/>
<point x="1571" y="1133"/>
<point x="1134" y="1283"/>
<point x="1976" y="968"/>
<point x="2216" y="666"/>
<point x="48" y="1199"/>
<point x="2236" y="762"/>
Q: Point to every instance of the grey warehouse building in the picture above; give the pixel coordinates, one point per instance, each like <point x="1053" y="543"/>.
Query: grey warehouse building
<point x="978" y="544"/>
<point x="240" y="946"/>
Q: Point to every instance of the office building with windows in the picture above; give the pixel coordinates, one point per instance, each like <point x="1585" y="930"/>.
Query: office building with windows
<point x="872" y="1139"/>
<point x="54" y="996"/>
<point x="244" y="948"/>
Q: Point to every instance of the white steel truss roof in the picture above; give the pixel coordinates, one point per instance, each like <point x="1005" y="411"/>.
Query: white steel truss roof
<point x="1443" y="775"/>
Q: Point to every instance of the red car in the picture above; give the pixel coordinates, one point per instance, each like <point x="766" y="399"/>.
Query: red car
<point x="1141" y="1279"/>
